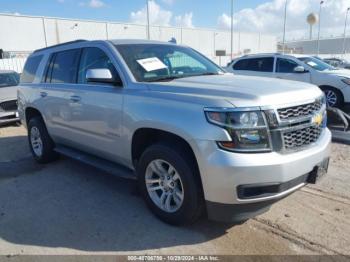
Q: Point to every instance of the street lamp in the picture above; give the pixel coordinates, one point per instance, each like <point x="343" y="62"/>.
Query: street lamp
<point x="346" y="23"/>
<point x="231" y="29"/>
<point x="284" y="26"/>
<point x="319" y="28"/>
<point x="148" y="32"/>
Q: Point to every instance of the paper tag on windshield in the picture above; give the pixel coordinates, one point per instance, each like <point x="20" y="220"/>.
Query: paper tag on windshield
<point x="151" y="64"/>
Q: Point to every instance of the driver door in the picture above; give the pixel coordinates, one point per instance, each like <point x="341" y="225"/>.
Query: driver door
<point x="96" y="108"/>
<point x="285" y="69"/>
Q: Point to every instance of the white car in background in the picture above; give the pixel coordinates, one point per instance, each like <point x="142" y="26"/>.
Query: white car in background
<point x="334" y="82"/>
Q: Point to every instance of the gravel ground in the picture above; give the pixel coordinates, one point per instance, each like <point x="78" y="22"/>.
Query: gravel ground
<point x="69" y="208"/>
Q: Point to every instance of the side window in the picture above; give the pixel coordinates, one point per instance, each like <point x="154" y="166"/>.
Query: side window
<point x="241" y="65"/>
<point x="94" y="58"/>
<point x="30" y="68"/>
<point x="285" y="65"/>
<point x="64" y="67"/>
<point x="264" y="64"/>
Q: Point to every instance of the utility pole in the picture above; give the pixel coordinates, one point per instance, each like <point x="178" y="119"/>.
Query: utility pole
<point x="231" y="29"/>
<point x="319" y="28"/>
<point x="148" y="31"/>
<point x="346" y="23"/>
<point x="284" y="27"/>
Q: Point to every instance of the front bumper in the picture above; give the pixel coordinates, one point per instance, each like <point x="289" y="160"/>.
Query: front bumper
<point x="223" y="172"/>
<point x="9" y="117"/>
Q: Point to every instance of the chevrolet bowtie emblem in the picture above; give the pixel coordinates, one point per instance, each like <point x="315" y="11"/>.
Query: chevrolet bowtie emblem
<point x="317" y="119"/>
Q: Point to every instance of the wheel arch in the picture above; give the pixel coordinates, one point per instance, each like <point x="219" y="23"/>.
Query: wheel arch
<point x="31" y="112"/>
<point x="144" y="137"/>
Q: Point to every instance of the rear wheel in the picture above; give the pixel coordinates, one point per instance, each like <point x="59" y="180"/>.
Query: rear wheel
<point x="40" y="143"/>
<point x="334" y="97"/>
<point x="169" y="185"/>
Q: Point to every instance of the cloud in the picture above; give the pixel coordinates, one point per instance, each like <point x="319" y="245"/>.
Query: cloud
<point x="92" y="3"/>
<point x="184" y="20"/>
<point x="158" y="16"/>
<point x="168" y="2"/>
<point x="268" y="18"/>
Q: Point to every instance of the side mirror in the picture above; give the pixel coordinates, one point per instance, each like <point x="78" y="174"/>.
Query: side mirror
<point x="101" y="75"/>
<point x="300" y="69"/>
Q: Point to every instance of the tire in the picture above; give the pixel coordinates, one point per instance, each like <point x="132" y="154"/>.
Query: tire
<point x="334" y="97"/>
<point x="191" y="205"/>
<point x="40" y="142"/>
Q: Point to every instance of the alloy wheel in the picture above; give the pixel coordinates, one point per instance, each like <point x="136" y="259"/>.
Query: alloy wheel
<point x="164" y="185"/>
<point x="36" y="142"/>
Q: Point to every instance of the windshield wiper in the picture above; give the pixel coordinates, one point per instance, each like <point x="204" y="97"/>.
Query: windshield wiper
<point x="163" y="79"/>
<point x="170" y="78"/>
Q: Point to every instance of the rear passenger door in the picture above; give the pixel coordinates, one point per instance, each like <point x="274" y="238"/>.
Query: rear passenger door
<point x="59" y="83"/>
<point x="262" y="66"/>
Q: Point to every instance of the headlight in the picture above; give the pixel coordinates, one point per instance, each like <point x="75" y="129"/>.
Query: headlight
<point x="346" y="81"/>
<point x="248" y="129"/>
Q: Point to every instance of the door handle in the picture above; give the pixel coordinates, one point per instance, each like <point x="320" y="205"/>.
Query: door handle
<point x="43" y="94"/>
<point x="75" y="99"/>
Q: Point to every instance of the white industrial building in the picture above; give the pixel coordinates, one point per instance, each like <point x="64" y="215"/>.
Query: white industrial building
<point x="328" y="47"/>
<point x="20" y="35"/>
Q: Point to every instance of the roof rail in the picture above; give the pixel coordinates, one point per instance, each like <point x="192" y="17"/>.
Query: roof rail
<point x="62" y="44"/>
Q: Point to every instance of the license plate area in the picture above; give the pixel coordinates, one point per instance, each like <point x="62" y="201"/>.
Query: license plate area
<point x="318" y="172"/>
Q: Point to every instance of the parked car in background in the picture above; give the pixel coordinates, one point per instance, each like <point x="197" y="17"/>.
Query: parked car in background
<point x="9" y="81"/>
<point x="195" y="138"/>
<point x="334" y="82"/>
<point x="337" y="62"/>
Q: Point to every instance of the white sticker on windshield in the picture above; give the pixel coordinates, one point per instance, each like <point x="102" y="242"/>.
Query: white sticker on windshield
<point x="151" y="64"/>
<point x="312" y="63"/>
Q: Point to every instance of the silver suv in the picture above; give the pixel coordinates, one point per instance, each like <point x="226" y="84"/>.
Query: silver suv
<point x="198" y="140"/>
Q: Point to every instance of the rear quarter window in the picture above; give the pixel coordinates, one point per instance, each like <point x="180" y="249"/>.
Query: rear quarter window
<point x="30" y="69"/>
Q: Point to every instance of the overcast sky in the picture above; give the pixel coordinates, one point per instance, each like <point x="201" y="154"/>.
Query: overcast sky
<point x="265" y="16"/>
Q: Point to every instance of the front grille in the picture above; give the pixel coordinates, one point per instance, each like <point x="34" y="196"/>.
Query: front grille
<point x="299" y="111"/>
<point x="9" y="105"/>
<point x="301" y="137"/>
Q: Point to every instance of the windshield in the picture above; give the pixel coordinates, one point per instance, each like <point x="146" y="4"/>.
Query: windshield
<point x="9" y="79"/>
<point x="316" y="63"/>
<point x="157" y="62"/>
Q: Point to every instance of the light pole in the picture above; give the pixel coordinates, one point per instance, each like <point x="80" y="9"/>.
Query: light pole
<point x="346" y="23"/>
<point x="231" y="29"/>
<point x="284" y="26"/>
<point x="319" y="28"/>
<point x="215" y="34"/>
<point x="148" y="32"/>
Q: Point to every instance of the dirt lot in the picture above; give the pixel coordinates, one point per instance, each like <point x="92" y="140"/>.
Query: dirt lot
<point x="69" y="208"/>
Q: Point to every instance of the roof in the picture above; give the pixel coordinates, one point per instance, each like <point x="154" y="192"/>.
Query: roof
<point x="7" y="71"/>
<point x="137" y="41"/>
<point x="115" y="42"/>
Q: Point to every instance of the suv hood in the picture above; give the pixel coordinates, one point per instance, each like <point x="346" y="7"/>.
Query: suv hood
<point x="338" y="72"/>
<point x="8" y="93"/>
<point x="242" y="91"/>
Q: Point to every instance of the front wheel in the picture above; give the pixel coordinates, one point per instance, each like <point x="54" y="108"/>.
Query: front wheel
<point x="169" y="185"/>
<point x="334" y="97"/>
